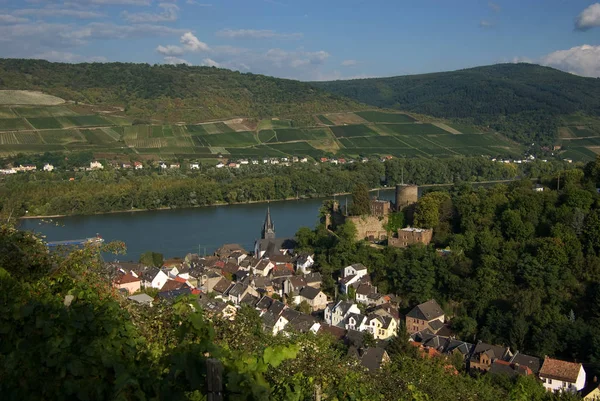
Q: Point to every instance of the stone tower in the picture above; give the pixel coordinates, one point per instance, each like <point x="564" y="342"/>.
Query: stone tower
<point x="268" y="229"/>
<point x="406" y="195"/>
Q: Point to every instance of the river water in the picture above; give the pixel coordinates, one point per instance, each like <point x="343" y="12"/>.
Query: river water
<point x="180" y="231"/>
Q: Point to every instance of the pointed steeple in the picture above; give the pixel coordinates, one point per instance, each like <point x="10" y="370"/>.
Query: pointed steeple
<point x="268" y="229"/>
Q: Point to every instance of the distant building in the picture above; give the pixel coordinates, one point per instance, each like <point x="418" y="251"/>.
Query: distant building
<point x="138" y="165"/>
<point x="96" y="165"/>
<point x="380" y="208"/>
<point x="410" y="235"/>
<point x="48" y="167"/>
<point x="25" y="168"/>
<point x="428" y="315"/>
<point x="194" y="166"/>
<point x="268" y="245"/>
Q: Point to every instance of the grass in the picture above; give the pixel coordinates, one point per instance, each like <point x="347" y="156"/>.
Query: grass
<point x="372" y="142"/>
<point x="267" y="135"/>
<point x="84" y="121"/>
<point x="6" y="112"/>
<point x="414" y="129"/>
<point x="61" y="136"/>
<point x="325" y="120"/>
<point x="199" y="141"/>
<point x="352" y="130"/>
<point x="28" y="138"/>
<point x="296" y="134"/>
<point x="156" y="131"/>
<point x="117" y="120"/>
<point x="8" y="138"/>
<point x="579" y="154"/>
<point x="13" y="124"/>
<point x="296" y="149"/>
<point x="44" y="123"/>
<point x="581" y="142"/>
<point x="464" y="128"/>
<point x="582" y="132"/>
<point x="196" y="130"/>
<point x="451" y="140"/>
<point x="231" y="139"/>
<point x="97" y="137"/>
<point x="28" y="97"/>
<point x="381" y="117"/>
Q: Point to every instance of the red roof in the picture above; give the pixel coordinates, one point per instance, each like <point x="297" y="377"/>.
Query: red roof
<point x="180" y="279"/>
<point x="127" y="278"/>
<point x="560" y="370"/>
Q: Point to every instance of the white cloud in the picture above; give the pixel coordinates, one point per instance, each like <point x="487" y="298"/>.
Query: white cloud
<point x="194" y="2"/>
<point x="256" y="34"/>
<point x="11" y="19"/>
<point x="485" y="24"/>
<point x="349" y="63"/>
<point x="210" y="63"/>
<point x="589" y="18"/>
<point x="191" y="43"/>
<point x="58" y="12"/>
<point x="495" y="7"/>
<point x="581" y="60"/>
<point x="169" y="14"/>
<point x="175" y="60"/>
<point x="170" y="50"/>
<point x="122" y="2"/>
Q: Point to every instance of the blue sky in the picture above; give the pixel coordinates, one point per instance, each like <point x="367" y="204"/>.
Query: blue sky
<point x="308" y="39"/>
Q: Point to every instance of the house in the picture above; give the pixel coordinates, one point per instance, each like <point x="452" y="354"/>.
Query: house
<point x="175" y="166"/>
<point x="538" y="188"/>
<point x="244" y="161"/>
<point x="500" y="367"/>
<point x="162" y="165"/>
<point x="372" y="358"/>
<point x="128" y="281"/>
<point x="138" y="165"/>
<point x="423" y="317"/>
<point x="227" y="250"/>
<point x="237" y="291"/>
<point x="335" y="314"/>
<point x="291" y="286"/>
<point x="96" y="165"/>
<point x="173" y="289"/>
<point x="269" y="245"/>
<point x="484" y="355"/>
<point x="263" y="285"/>
<point x="364" y="293"/>
<point x="48" y="167"/>
<point x="304" y="160"/>
<point x="313" y="280"/>
<point x="304" y="262"/>
<point x="356" y="321"/>
<point x="254" y="162"/>
<point x="314" y="297"/>
<point x="263" y="268"/>
<point x="265" y="160"/>
<point x="221" y="286"/>
<point x="194" y="166"/>
<point x="220" y="165"/>
<point x="558" y="376"/>
<point x="382" y="327"/>
<point x="351" y="275"/>
<point x="592" y="394"/>
<point x="531" y="362"/>
<point x="153" y="277"/>
<point x="215" y="307"/>
<point x="410" y="236"/>
<point x="142" y="299"/>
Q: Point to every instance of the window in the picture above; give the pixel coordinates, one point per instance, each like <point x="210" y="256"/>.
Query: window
<point x="549" y="381"/>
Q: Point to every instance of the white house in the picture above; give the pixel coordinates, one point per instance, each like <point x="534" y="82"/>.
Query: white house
<point x="351" y="275"/>
<point x="194" y="166"/>
<point x="96" y="165"/>
<point x="557" y="375"/>
<point x="138" y="165"/>
<point x="220" y="165"/>
<point x="154" y="278"/>
<point x="356" y="321"/>
<point x="336" y="313"/>
<point x="162" y="165"/>
<point x="304" y="263"/>
<point x="48" y="167"/>
<point x="304" y="160"/>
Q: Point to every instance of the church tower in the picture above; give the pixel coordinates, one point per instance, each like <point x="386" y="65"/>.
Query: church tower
<point x="268" y="229"/>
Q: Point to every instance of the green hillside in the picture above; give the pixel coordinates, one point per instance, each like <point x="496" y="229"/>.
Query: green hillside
<point x="171" y="93"/>
<point x="523" y="101"/>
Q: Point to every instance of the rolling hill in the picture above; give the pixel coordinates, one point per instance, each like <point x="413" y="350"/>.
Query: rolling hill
<point x="523" y="101"/>
<point x="172" y="93"/>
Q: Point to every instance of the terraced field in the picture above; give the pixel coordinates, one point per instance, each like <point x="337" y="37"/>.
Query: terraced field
<point x="580" y="137"/>
<point x="368" y="133"/>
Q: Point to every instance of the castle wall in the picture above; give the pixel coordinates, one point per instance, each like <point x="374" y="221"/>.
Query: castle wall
<point x="406" y="195"/>
<point x="371" y="227"/>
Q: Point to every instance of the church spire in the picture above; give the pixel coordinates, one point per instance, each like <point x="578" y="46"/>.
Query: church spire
<point x="268" y="229"/>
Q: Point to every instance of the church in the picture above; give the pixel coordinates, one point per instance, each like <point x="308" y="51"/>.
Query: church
<point x="268" y="245"/>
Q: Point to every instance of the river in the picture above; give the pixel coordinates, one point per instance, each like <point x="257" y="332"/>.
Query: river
<point x="177" y="232"/>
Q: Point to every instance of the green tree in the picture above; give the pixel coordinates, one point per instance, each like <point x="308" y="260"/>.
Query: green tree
<point x="361" y="202"/>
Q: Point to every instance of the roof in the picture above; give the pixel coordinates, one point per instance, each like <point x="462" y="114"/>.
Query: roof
<point x="493" y="351"/>
<point x="141" y="298"/>
<point x="531" y="362"/>
<point x="127" y="278"/>
<point x="371" y="358"/>
<point x="428" y="311"/>
<point x="175" y="293"/>
<point x="171" y="285"/>
<point x="507" y="368"/>
<point x="365" y="289"/>
<point x="343" y="306"/>
<point x="560" y="370"/>
<point x="313" y="278"/>
<point x="237" y="290"/>
<point x="359" y="266"/>
<point x="309" y="292"/>
<point x="436" y="324"/>
<point x="335" y="331"/>
<point x="222" y="286"/>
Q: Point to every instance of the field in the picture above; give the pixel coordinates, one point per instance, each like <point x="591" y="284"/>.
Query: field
<point x="381" y="117"/>
<point x="70" y="127"/>
<point x="28" y="97"/>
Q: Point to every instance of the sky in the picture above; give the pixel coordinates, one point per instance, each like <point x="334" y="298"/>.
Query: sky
<point x="308" y="39"/>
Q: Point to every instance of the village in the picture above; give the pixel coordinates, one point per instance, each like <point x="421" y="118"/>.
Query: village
<point x="285" y="288"/>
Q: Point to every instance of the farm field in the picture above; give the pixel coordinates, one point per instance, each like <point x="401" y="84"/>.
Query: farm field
<point x="367" y="133"/>
<point x="28" y="97"/>
<point x="381" y="117"/>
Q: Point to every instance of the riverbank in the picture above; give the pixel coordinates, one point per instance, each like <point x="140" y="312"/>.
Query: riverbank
<point x="261" y="201"/>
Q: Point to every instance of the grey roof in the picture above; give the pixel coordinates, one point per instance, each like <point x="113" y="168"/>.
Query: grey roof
<point x="358" y="318"/>
<point x="237" y="290"/>
<point x="290" y="314"/>
<point x="222" y="286"/>
<point x="343" y="306"/>
<point x="501" y="368"/>
<point x="359" y="266"/>
<point x="303" y="323"/>
<point x="429" y="310"/>
<point x="150" y="273"/>
<point x="313" y="278"/>
<point x="493" y="351"/>
<point x="264" y="303"/>
<point x="249" y="299"/>
<point x="365" y="289"/>
<point x="371" y="358"/>
<point x="531" y="362"/>
<point x="436" y="325"/>
<point x="175" y="293"/>
<point x="272" y="246"/>
<point x="142" y="299"/>
<point x="309" y="292"/>
<point x="277" y="307"/>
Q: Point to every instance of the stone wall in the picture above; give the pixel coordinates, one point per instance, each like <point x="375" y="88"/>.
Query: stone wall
<point x="371" y="227"/>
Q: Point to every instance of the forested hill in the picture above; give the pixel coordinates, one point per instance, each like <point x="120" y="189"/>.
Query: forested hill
<point x="523" y="101"/>
<point x="173" y="93"/>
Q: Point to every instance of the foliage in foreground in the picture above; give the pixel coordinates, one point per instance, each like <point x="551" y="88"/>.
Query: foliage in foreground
<point x="67" y="335"/>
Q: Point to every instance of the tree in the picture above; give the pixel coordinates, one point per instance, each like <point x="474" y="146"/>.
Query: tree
<point x="304" y="307"/>
<point x="152" y="259"/>
<point x="361" y="202"/>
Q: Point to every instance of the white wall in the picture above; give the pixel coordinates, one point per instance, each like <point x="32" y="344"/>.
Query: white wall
<point x="562" y="386"/>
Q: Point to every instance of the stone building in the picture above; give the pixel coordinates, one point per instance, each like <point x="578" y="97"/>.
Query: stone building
<point x="410" y="235"/>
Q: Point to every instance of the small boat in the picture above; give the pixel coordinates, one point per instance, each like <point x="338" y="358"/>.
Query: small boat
<point x="97" y="240"/>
